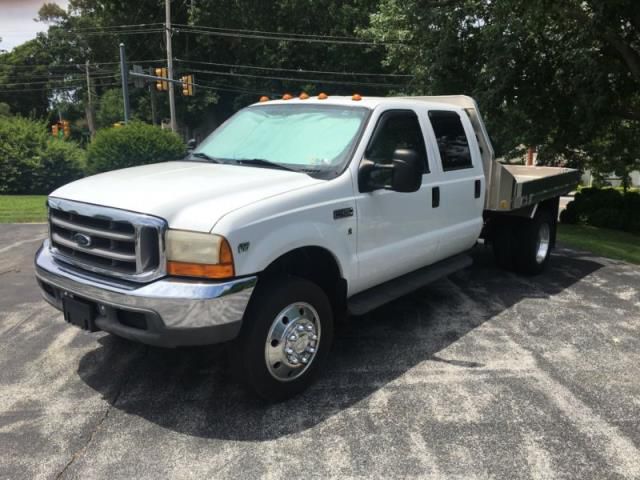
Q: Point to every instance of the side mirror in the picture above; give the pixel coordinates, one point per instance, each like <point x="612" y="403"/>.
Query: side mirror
<point x="407" y="171"/>
<point x="192" y="144"/>
<point x="403" y="175"/>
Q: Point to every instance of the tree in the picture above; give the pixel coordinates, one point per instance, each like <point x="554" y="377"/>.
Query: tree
<point x="558" y="75"/>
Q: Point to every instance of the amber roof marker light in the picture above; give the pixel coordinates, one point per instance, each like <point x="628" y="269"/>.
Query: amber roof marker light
<point x="322" y="96"/>
<point x="356" y="97"/>
<point x="287" y="96"/>
<point x="303" y="96"/>
<point x="264" y="98"/>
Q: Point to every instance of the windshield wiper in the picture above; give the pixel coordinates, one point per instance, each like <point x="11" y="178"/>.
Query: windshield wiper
<point x="206" y="157"/>
<point x="261" y="162"/>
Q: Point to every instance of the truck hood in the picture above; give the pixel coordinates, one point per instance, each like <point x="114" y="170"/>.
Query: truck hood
<point x="189" y="195"/>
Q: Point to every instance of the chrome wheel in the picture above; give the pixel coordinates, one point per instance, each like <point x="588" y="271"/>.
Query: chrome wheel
<point x="544" y="240"/>
<point x="292" y="342"/>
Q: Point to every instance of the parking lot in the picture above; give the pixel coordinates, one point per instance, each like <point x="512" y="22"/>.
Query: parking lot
<point x="482" y="375"/>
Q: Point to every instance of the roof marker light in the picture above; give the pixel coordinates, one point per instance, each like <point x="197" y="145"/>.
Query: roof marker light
<point x="303" y="96"/>
<point x="287" y="96"/>
<point x="264" y="98"/>
<point x="356" y="97"/>
<point x="322" y="96"/>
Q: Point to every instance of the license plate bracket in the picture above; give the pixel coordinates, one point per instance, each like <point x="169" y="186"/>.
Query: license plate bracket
<point x="79" y="313"/>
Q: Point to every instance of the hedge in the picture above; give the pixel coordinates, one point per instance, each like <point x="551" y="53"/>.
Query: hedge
<point x="606" y="208"/>
<point x="31" y="162"/>
<point x="133" y="144"/>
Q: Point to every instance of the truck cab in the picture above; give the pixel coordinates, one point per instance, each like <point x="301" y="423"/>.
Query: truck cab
<point x="292" y="214"/>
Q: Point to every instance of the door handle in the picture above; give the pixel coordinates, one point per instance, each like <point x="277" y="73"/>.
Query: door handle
<point x="478" y="185"/>
<point x="435" y="197"/>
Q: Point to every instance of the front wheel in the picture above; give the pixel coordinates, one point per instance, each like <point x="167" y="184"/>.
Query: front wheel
<point x="286" y="336"/>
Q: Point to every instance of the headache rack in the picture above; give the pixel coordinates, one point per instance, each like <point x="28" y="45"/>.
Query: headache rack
<point x="107" y="241"/>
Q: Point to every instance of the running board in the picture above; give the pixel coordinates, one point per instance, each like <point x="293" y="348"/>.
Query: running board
<point x="377" y="296"/>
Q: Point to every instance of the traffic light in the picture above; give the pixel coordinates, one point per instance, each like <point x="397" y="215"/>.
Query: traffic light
<point x="66" y="128"/>
<point x="188" y="87"/>
<point x="161" y="86"/>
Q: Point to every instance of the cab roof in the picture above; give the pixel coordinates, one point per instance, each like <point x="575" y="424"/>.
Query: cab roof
<point x="460" y="101"/>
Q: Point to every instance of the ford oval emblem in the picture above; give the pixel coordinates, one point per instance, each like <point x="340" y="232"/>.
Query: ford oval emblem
<point x="81" y="239"/>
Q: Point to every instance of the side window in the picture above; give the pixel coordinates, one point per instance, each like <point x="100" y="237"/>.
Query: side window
<point x="396" y="129"/>
<point x="452" y="141"/>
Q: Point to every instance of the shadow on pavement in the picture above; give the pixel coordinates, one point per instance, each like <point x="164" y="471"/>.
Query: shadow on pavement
<point x="189" y="390"/>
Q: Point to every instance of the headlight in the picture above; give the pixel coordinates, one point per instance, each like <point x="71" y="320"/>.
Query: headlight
<point x="196" y="254"/>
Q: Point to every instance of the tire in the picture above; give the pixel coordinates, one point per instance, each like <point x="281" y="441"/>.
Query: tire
<point x="280" y="306"/>
<point x="503" y="245"/>
<point x="534" y="241"/>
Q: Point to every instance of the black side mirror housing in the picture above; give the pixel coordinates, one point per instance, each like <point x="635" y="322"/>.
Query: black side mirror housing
<point x="405" y="173"/>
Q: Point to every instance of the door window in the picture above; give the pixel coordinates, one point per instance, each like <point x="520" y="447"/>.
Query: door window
<point x="452" y="140"/>
<point x="396" y="129"/>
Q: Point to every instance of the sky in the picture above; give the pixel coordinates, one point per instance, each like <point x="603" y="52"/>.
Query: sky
<point x="16" y="21"/>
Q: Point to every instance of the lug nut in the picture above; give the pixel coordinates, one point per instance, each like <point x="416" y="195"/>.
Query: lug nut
<point x="314" y="337"/>
<point x="309" y="328"/>
<point x="288" y="351"/>
<point x="293" y="360"/>
<point x="293" y="337"/>
<point x="311" y="349"/>
<point x="300" y="328"/>
<point x="305" y="359"/>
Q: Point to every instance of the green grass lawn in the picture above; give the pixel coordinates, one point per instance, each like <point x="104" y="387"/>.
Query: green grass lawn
<point x="601" y="241"/>
<point x="23" y="208"/>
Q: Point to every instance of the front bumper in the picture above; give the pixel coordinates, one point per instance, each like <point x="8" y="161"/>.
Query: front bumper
<point x="169" y="312"/>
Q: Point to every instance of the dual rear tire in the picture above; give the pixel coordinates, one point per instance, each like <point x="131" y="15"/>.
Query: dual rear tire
<point x="524" y="245"/>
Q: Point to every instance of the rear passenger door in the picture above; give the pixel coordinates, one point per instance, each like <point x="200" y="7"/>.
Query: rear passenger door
<point x="460" y="181"/>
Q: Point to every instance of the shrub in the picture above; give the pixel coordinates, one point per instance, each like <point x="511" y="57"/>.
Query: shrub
<point x="607" y="218"/>
<point x="606" y="208"/>
<point x="31" y="162"/>
<point x="569" y="214"/>
<point x="62" y="162"/>
<point x="134" y="144"/>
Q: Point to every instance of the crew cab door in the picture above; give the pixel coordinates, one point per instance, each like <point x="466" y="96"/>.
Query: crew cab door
<point x="397" y="232"/>
<point x="459" y="180"/>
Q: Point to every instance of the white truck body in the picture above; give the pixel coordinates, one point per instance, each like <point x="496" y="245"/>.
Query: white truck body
<point x="373" y="238"/>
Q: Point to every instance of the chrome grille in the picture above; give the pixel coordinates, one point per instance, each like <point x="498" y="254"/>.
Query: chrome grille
<point x="106" y="240"/>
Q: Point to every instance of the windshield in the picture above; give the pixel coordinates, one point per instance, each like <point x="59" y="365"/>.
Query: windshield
<point x="313" y="138"/>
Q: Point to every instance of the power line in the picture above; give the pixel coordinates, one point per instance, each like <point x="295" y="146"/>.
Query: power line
<point x="69" y="87"/>
<point x="296" y="70"/>
<point x="74" y="64"/>
<point x="284" y="38"/>
<point x="293" y="79"/>
<point x="264" y="32"/>
<point x="47" y="81"/>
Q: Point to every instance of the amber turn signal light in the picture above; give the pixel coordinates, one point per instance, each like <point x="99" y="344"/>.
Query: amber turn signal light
<point x="183" y="269"/>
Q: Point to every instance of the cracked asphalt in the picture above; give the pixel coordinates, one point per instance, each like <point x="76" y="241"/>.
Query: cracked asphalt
<point x="482" y="375"/>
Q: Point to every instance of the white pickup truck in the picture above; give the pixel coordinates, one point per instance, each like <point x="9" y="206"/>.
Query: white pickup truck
<point x="292" y="214"/>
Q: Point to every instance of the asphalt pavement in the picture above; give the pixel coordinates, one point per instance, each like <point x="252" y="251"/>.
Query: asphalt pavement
<point x="482" y="375"/>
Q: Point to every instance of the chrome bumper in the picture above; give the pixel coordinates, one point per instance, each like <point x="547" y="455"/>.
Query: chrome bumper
<point x="177" y="311"/>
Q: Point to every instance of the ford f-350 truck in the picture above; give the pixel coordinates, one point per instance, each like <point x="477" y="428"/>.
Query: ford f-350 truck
<point x="290" y="215"/>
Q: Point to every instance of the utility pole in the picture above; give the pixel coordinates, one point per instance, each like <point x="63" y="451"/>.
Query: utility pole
<point x="89" y="109"/>
<point x="124" y="72"/>
<point x="172" y="97"/>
